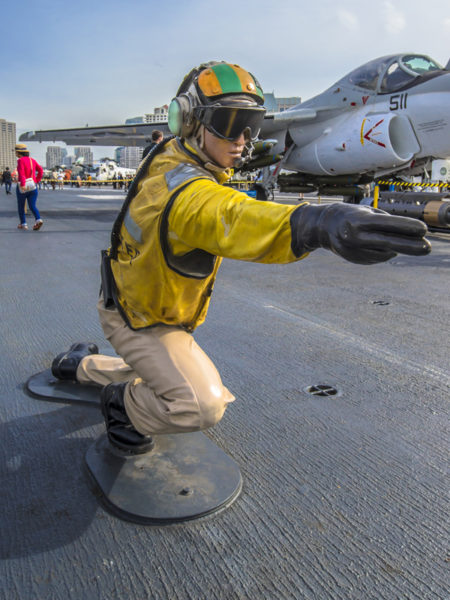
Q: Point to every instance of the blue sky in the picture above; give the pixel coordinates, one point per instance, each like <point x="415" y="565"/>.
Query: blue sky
<point x="100" y="62"/>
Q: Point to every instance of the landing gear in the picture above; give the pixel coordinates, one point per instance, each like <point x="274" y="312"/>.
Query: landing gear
<point x="263" y="192"/>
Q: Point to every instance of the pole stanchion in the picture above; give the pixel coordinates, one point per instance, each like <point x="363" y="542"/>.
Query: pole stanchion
<point x="376" y="194"/>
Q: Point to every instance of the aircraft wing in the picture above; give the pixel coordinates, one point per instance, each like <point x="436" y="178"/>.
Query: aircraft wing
<point x="113" y="135"/>
<point x="140" y="134"/>
<point x="275" y="122"/>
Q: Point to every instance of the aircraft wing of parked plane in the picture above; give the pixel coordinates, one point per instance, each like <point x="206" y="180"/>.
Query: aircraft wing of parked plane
<point x="389" y="115"/>
<point x="140" y="134"/>
<point x="107" y="135"/>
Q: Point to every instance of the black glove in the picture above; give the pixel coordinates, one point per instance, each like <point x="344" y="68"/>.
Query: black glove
<point x="359" y="234"/>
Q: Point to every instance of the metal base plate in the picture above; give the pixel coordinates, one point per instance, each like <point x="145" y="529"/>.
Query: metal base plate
<point x="185" y="476"/>
<point x="44" y="385"/>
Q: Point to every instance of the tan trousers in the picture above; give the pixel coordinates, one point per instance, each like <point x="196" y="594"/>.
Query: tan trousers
<point x="173" y="386"/>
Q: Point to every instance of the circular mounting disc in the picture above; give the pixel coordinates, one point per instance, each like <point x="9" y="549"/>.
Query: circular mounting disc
<point x="185" y="476"/>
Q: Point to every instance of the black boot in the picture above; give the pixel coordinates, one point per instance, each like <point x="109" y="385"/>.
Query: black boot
<point x="65" y="365"/>
<point x="121" y="432"/>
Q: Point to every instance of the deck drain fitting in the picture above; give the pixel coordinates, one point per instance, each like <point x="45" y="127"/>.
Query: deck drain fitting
<point x="322" y="390"/>
<point x="380" y="302"/>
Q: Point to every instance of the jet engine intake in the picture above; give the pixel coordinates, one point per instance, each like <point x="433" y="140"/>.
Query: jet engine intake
<point x="359" y="144"/>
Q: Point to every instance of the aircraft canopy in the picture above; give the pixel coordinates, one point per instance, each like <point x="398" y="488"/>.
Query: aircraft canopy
<point x="391" y="73"/>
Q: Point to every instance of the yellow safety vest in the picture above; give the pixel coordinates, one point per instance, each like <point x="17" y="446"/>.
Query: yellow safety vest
<point x="175" y="230"/>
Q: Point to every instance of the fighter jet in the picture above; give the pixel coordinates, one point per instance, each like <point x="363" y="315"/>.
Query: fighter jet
<point x="390" y="115"/>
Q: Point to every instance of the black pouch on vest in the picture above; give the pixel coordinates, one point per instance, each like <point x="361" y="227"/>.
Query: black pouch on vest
<point x="107" y="280"/>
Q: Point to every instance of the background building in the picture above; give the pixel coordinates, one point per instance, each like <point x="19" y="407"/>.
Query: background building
<point x="134" y="120"/>
<point x="118" y="153"/>
<point x="274" y="104"/>
<point x="128" y="157"/>
<point x="85" y="153"/>
<point x="7" y="143"/>
<point x="160" y="114"/>
<point x="54" y="157"/>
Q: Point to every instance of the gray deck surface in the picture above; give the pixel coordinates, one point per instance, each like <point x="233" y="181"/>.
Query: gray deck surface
<point x="345" y="497"/>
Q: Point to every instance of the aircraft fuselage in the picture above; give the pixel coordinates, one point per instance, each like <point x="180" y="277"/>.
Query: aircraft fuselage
<point x="361" y="130"/>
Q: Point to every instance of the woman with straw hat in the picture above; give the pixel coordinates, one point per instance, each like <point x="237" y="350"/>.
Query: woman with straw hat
<point x="29" y="173"/>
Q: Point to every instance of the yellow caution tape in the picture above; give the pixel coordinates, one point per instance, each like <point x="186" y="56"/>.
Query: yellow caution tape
<point x="408" y="184"/>
<point x="86" y="181"/>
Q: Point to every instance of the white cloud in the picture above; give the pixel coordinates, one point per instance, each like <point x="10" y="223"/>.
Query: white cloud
<point x="447" y="23"/>
<point x="394" y="19"/>
<point x="347" y="19"/>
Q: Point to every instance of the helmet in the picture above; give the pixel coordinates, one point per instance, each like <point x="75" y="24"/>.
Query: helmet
<point x="225" y="98"/>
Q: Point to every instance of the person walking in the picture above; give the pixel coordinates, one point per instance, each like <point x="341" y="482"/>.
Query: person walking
<point x="167" y="243"/>
<point x="29" y="173"/>
<point x="157" y="138"/>
<point x="7" y="180"/>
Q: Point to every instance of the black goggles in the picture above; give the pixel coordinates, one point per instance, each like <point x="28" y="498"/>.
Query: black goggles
<point x="229" y="122"/>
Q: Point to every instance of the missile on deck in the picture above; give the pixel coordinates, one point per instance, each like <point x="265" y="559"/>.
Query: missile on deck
<point x="335" y="185"/>
<point x="260" y="162"/>
<point x="263" y="146"/>
<point x="432" y="208"/>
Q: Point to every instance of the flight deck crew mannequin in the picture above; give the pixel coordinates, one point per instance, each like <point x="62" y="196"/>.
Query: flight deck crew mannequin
<point x="167" y="244"/>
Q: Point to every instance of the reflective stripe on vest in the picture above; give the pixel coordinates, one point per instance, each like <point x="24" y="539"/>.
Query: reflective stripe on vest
<point x="153" y="285"/>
